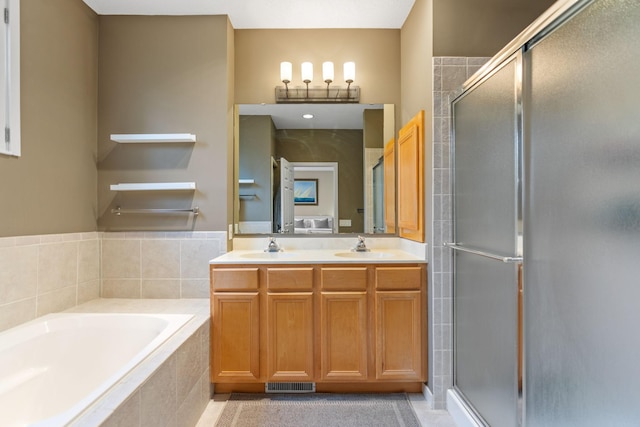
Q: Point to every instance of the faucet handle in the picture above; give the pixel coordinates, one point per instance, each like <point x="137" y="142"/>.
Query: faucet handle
<point x="361" y="246"/>
<point x="272" y="246"/>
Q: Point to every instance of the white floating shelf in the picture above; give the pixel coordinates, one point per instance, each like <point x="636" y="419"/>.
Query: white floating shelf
<point x="138" y="138"/>
<point x="246" y="181"/>
<point x="154" y="186"/>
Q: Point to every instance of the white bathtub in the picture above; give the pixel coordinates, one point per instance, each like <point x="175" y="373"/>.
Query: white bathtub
<point x="53" y="368"/>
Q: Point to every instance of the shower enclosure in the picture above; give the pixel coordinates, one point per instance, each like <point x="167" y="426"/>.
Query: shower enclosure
<point x="546" y="175"/>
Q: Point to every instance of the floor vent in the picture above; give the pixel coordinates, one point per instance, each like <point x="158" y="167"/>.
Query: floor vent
<point x="290" y="387"/>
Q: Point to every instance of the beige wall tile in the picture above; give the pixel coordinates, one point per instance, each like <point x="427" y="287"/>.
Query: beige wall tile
<point x="191" y="407"/>
<point x="55" y="301"/>
<point x="57" y="266"/>
<point x="121" y="288"/>
<point x="160" y="259"/>
<point x="195" y="256"/>
<point x="88" y="291"/>
<point x="88" y="260"/>
<point x="18" y="273"/>
<point x="189" y="366"/>
<point x="127" y="414"/>
<point x="16" y="313"/>
<point x="158" y="404"/>
<point x="161" y="288"/>
<point x="195" y="288"/>
<point x="205" y="344"/>
<point x="121" y="259"/>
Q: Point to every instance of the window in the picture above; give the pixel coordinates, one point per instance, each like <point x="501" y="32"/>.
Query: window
<point x="10" y="79"/>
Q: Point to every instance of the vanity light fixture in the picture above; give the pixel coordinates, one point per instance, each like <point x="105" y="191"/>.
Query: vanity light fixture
<point x="306" y="94"/>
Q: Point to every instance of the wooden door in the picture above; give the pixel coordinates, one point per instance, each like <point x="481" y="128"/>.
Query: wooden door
<point x="290" y="336"/>
<point x="235" y="339"/>
<point x="390" y="186"/>
<point x="411" y="179"/>
<point x="343" y="336"/>
<point x="398" y="337"/>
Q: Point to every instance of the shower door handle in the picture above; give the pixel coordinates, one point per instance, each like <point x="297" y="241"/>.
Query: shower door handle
<point x="502" y="258"/>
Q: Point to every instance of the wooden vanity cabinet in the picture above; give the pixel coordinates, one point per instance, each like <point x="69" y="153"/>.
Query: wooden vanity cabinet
<point x="400" y="320"/>
<point x="346" y="327"/>
<point x="289" y="324"/>
<point x="344" y="332"/>
<point x="235" y="332"/>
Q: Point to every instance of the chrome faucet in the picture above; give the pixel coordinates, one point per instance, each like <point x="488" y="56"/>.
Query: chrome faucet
<point x="273" y="245"/>
<point x="361" y="246"/>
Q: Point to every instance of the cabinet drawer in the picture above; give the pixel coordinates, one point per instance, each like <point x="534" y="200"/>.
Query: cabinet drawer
<point x="234" y="279"/>
<point x="290" y="279"/>
<point x="343" y="279"/>
<point x="394" y="278"/>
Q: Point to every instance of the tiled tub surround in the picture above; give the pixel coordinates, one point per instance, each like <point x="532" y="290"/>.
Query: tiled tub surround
<point x="159" y="265"/>
<point x="171" y="387"/>
<point x="449" y="73"/>
<point x="45" y="274"/>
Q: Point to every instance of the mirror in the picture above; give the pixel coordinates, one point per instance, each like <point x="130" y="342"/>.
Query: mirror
<point x="318" y="175"/>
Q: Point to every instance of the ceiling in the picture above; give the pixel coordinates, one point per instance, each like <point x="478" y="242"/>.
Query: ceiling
<point x="272" y="14"/>
<point x="325" y="116"/>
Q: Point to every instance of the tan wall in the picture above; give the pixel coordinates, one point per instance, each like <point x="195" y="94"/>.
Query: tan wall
<point x="257" y="147"/>
<point x="417" y="94"/>
<point x="259" y="52"/>
<point x="481" y="28"/>
<point x="165" y="74"/>
<point x="51" y="188"/>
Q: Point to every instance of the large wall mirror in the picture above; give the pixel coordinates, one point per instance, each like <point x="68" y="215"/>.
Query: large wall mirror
<point x="314" y="169"/>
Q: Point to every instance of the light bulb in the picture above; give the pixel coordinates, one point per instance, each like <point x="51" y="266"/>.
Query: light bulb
<point x="285" y="72"/>
<point x="349" y="72"/>
<point x="307" y="72"/>
<point x="327" y="72"/>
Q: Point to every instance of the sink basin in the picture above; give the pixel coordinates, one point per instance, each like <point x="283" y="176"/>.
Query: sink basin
<point x="268" y="255"/>
<point x="369" y="255"/>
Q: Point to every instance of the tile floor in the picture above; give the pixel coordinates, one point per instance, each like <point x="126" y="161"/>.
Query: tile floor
<point x="428" y="417"/>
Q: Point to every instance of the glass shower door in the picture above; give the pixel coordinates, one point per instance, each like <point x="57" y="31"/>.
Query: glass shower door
<point x="486" y="171"/>
<point x="582" y="308"/>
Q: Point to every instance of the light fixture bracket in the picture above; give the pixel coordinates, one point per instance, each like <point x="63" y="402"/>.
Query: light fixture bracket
<point x="318" y="95"/>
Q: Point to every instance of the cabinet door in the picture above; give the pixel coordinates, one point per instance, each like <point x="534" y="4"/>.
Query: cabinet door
<point x="290" y="336"/>
<point x="398" y="337"/>
<point x="411" y="179"/>
<point x="235" y="338"/>
<point x="343" y="336"/>
<point x="390" y="186"/>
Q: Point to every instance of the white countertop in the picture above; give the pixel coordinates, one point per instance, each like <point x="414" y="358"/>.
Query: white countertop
<point x="317" y="256"/>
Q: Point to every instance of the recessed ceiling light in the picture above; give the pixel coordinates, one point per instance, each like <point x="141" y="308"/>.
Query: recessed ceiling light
<point x="307" y="116"/>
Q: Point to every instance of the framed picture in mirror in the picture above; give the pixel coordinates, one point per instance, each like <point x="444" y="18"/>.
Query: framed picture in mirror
<point x="305" y="191"/>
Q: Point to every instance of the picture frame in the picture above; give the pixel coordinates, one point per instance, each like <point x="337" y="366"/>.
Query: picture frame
<point x="305" y="191"/>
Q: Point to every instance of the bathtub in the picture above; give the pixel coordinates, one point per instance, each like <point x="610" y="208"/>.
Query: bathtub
<point x="55" y="367"/>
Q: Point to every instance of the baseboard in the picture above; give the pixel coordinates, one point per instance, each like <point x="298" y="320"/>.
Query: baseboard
<point x="428" y="396"/>
<point x="459" y="411"/>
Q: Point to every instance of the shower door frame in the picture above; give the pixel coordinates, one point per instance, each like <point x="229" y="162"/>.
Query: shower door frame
<point x="517" y="59"/>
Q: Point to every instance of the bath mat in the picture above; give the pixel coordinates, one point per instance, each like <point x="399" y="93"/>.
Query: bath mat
<point x="317" y="410"/>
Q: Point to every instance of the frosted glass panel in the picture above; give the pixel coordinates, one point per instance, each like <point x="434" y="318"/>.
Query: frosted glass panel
<point x="582" y="232"/>
<point x="485" y="169"/>
<point x="486" y="337"/>
<point x="485" y="290"/>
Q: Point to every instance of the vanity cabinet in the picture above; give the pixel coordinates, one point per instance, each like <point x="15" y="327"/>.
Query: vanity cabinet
<point x="345" y="327"/>
<point x="289" y="326"/>
<point x="344" y="334"/>
<point x="411" y="179"/>
<point x="399" y="322"/>
<point x="235" y="309"/>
